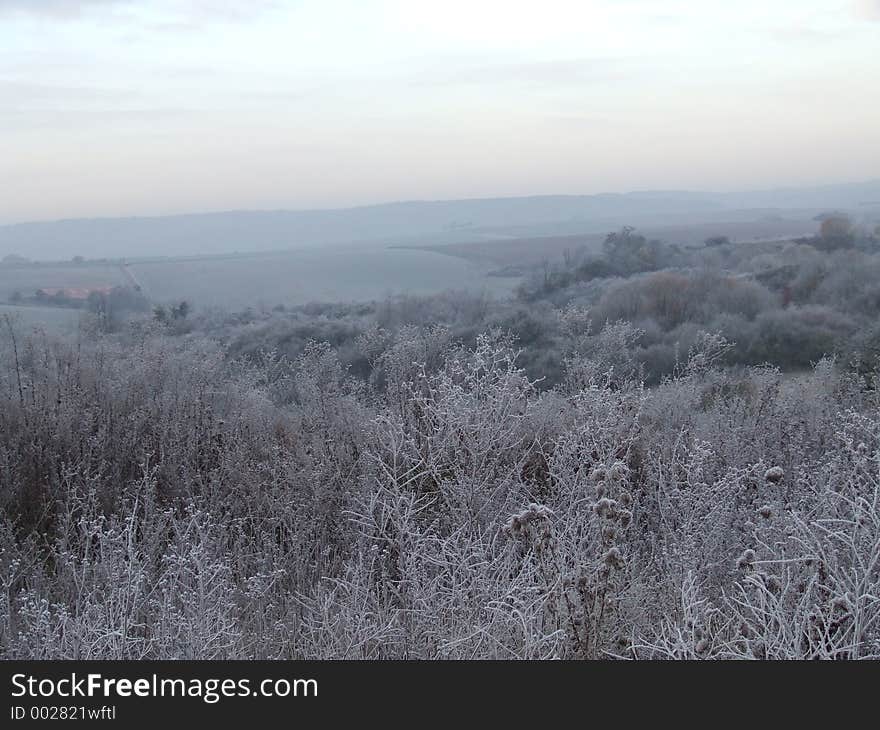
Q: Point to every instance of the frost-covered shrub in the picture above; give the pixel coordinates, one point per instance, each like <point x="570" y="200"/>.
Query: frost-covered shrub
<point x="161" y="498"/>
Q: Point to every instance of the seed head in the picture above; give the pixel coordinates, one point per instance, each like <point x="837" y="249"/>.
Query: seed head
<point x="614" y="559"/>
<point x="774" y="474"/>
<point x="617" y="471"/>
<point x="746" y="559"/>
<point x="605" y="507"/>
<point x="598" y="474"/>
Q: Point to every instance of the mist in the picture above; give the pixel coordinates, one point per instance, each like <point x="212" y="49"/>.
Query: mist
<point x="397" y="330"/>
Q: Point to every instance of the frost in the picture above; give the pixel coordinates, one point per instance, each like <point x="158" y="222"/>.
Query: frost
<point x="774" y="474"/>
<point x="163" y="499"/>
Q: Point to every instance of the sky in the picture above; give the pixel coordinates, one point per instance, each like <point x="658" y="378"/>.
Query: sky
<point x="153" y="107"/>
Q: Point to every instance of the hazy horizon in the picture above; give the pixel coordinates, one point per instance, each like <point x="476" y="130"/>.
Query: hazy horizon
<point x="143" y="108"/>
<point x="329" y="208"/>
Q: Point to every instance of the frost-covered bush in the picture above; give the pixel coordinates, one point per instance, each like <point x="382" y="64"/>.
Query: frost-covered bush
<point x="162" y="498"/>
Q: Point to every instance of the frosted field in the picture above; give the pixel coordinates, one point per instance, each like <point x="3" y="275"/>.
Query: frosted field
<point x="52" y="320"/>
<point x="312" y="275"/>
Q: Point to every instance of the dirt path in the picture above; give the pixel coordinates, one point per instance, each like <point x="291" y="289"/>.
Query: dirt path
<point x="132" y="279"/>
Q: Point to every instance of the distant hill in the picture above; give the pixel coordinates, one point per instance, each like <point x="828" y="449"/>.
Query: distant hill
<point x="434" y="222"/>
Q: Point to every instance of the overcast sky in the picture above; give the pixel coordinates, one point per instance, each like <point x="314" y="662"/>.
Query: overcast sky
<point x="122" y="107"/>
